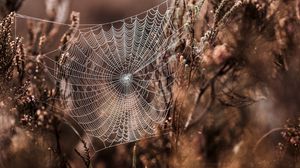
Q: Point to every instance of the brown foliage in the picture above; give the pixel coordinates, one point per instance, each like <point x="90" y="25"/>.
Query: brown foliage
<point x="235" y="97"/>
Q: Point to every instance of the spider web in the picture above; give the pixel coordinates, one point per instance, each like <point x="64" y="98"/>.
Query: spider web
<point x="116" y="78"/>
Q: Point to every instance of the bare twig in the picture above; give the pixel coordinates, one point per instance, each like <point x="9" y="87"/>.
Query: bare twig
<point x="266" y="135"/>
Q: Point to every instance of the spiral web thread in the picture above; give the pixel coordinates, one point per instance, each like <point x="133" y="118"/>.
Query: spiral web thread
<point x="116" y="77"/>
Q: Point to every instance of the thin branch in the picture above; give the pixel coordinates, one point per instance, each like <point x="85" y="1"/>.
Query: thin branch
<point x="221" y="71"/>
<point x="266" y="135"/>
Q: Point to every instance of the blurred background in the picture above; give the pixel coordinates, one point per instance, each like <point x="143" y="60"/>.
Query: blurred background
<point x="237" y="94"/>
<point x="91" y="11"/>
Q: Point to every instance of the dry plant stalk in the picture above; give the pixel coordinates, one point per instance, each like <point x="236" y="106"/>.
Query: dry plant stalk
<point x="237" y="80"/>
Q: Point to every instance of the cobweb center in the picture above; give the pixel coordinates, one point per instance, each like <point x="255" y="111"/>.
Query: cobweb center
<point x="126" y="79"/>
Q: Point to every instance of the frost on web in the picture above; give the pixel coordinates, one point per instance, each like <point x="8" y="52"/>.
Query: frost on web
<point x="116" y="78"/>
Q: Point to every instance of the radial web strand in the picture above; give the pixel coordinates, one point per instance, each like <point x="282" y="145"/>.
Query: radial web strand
<point x="116" y="78"/>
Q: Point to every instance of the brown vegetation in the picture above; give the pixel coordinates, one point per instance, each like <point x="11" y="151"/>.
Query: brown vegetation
<point x="236" y="98"/>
